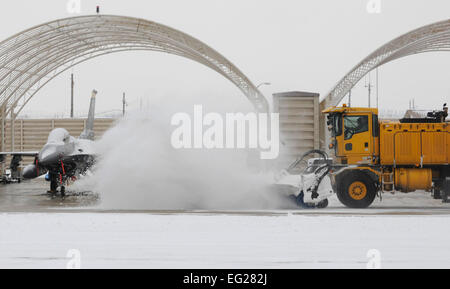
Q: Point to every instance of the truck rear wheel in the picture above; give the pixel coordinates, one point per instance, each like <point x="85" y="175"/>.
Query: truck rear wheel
<point x="356" y="190"/>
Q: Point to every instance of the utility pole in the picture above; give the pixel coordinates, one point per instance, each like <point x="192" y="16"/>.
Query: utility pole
<point x="412" y="104"/>
<point x="71" y="95"/>
<point x="369" y="88"/>
<point x="377" y="86"/>
<point x="13" y="118"/>
<point x="350" y="98"/>
<point x="123" y="104"/>
<point x="3" y="112"/>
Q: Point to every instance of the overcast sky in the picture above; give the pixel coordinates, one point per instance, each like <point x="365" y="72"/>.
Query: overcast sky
<point x="293" y="44"/>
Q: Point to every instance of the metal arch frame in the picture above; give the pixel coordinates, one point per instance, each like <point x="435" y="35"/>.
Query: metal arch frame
<point x="32" y="58"/>
<point x="430" y="38"/>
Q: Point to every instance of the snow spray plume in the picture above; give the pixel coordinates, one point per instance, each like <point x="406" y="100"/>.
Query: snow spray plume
<point x="139" y="169"/>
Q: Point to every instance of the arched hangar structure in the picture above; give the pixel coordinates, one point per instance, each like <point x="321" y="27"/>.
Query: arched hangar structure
<point x="32" y="58"/>
<point x="430" y="38"/>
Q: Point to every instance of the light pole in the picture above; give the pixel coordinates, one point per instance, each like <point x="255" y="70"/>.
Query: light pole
<point x="124" y="103"/>
<point x="265" y="164"/>
<point x="71" y="95"/>
<point x="261" y="84"/>
<point x="264" y="83"/>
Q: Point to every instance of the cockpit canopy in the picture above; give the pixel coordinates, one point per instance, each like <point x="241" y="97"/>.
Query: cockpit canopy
<point x="58" y="135"/>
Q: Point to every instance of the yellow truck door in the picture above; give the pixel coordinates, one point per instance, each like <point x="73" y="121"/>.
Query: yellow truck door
<point x="357" y="138"/>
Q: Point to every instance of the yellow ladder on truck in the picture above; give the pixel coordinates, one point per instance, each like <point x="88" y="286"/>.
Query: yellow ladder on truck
<point x="387" y="182"/>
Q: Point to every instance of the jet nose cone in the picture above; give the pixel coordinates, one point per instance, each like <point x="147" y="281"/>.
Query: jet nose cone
<point x="48" y="155"/>
<point x="48" y="159"/>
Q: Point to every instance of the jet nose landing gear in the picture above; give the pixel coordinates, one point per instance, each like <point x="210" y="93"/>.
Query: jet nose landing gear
<point x="56" y="180"/>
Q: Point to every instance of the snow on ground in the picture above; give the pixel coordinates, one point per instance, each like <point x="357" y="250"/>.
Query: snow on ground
<point x="285" y="240"/>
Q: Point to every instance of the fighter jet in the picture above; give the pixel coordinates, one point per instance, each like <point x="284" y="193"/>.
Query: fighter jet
<point x="63" y="157"/>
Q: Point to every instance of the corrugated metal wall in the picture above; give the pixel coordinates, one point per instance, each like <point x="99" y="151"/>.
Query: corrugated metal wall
<point x="31" y="134"/>
<point x="299" y="124"/>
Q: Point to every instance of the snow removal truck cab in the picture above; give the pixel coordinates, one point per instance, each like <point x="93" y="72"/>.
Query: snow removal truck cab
<point x="373" y="156"/>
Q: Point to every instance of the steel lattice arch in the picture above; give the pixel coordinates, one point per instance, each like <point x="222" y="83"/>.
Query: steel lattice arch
<point x="430" y="38"/>
<point x="32" y="58"/>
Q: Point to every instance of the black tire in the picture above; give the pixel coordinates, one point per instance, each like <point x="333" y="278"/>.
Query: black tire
<point x="356" y="190"/>
<point x="53" y="185"/>
<point x="445" y="192"/>
<point x="322" y="204"/>
<point x="436" y="194"/>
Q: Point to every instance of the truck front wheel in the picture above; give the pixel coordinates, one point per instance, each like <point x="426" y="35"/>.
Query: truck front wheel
<point x="356" y="190"/>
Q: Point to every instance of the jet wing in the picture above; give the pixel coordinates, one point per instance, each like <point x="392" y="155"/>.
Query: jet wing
<point x="25" y="154"/>
<point x="21" y="154"/>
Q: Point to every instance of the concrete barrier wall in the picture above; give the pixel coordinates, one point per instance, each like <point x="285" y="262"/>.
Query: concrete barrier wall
<point x="299" y="124"/>
<point x="299" y="128"/>
<point x="32" y="134"/>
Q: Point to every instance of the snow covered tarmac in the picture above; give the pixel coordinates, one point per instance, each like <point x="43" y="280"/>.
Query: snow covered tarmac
<point x="222" y="241"/>
<point x="39" y="232"/>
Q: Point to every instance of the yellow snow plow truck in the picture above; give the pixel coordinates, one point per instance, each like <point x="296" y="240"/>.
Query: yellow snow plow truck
<point x="373" y="156"/>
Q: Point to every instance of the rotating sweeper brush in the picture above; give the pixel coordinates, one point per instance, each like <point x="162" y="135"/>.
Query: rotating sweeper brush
<point x="306" y="181"/>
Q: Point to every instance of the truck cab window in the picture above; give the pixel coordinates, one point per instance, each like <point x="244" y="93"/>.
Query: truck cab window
<point x="354" y="124"/>
<point x="337" y="125"/>
<point x="375" y="126"/>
